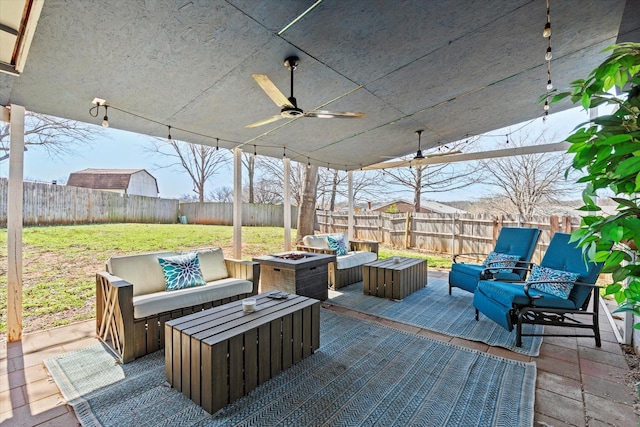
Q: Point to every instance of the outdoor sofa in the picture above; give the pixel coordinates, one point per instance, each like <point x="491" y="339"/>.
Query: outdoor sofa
<point x="351" y="255"/>
<point x="132" y="303"/>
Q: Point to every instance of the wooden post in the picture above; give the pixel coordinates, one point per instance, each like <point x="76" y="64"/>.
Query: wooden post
<point x="567" y="228"/>
<point x="237" y="203"/>
<point x="350" y="218"/>
<point x="554" y="225"/>
<point x="407" y="234"/>
<point x="14" y="224"/>
<point x="287" y="204"/>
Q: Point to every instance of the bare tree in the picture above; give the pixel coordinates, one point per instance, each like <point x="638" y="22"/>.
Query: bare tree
<point x="55" y="135"/>
<point x="307" y="207"/>
<point x="222" y="194"/>
<point x="531" y="181"/>
<point x="430" y="179"/>
<point x="201" y="162"/>
<point x="249" y="162"/>
<point x="272" y="180"/>
<point x="333" y="183"/>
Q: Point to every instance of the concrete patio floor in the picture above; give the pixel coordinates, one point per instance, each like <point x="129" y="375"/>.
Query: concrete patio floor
<point x="578" y="384"/>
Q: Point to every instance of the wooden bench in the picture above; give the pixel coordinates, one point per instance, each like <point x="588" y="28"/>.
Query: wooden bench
<point x="219" y="355"/>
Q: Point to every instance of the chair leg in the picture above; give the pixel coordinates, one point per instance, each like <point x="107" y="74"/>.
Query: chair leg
<point x="477" y="315"/>
<point x="519" y="332"/>
<point x="449" y="288"/>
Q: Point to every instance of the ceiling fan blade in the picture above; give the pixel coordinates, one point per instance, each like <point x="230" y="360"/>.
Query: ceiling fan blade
<point x="272" y="91"/>
<point x="265" y="121"/>
<point x="323" y="114"/>
<point x="444" y="154"/>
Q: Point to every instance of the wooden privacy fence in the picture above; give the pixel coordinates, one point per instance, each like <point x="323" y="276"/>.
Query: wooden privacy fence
<point x="257" y="215"/>
<point x="49" y="204"/>
<point x="442" y="233"/>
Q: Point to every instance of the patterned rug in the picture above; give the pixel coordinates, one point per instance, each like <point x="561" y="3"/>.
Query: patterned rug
<point x="433" y="308"/>
<point x="363" y="374"/>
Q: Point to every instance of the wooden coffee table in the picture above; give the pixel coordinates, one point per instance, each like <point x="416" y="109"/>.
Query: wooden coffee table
<point x="219" y="355"/>
<point x="394" y="278"/>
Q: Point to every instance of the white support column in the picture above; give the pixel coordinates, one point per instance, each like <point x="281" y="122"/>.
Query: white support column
<point x="287" y="204"/>
<point x="350" y="220"/>
<point x="237" y="203"/>
<point x="14" y="224"/>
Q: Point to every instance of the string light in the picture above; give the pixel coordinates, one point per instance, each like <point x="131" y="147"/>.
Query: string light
<point x="546" y="33"/>
<point x="169" y="135"/>
<point x="217" y="144"/>
<point x="105" y="121"/>
<point x="254" y="150"/>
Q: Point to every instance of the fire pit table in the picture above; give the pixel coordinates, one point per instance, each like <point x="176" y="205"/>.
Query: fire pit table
<point x="301" y="273"/>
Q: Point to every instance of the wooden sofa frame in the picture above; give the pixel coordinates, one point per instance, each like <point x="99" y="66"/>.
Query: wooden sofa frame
<point x="131" y="338"/>
<point x="346" y="276"/>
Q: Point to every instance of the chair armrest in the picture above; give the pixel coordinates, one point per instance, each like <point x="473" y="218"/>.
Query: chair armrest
<point x="364" y="245"/>
<point x="469" y="254"/>
<point x="114" y="313"/>
<point x="487" y="272"/>
<point x="528" y="284"/>
<point x="247" y="270"/>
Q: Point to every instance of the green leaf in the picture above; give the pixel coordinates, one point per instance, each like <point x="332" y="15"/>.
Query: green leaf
<point x="628" y="167"/>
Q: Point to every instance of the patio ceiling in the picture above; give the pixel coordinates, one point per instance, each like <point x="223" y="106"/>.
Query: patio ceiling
<point x="452" y="68"/>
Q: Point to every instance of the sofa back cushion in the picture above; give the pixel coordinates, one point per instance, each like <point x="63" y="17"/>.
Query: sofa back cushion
<point x="146" y="275"/>
<point x="142" y="270"/>
<point x="316" y="241"/>
<point x="212" y="264"/>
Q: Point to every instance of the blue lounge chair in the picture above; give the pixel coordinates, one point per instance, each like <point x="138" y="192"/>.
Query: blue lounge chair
<point x="519" y="242"/>
<point x="559" y="297"/>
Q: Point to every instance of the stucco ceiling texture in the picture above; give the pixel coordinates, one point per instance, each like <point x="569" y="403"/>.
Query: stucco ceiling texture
<point x="452" y="68"/>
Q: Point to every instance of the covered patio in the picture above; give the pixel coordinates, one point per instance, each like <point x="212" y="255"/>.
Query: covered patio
<point x="184" y="69"/>
<point x="577" y="383"/>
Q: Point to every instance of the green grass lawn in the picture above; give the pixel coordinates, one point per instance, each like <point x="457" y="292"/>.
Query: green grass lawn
<point x="59" y="263"/>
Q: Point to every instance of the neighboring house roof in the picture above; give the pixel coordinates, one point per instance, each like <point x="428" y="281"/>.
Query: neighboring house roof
<point x="430" y="205"/>
<point x="105" y="179"/>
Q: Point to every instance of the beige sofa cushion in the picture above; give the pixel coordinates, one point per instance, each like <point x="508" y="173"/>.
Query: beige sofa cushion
<point x="316" y="241"/>
<point x="212" y="264"/>
<point x="146" y="275"/>
<point x="159" y="302"/>
<point x="142" y="270"/>
<point x="354" y="259"/>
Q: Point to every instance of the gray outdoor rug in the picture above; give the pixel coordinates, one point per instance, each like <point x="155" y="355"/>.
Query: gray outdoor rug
<point x="433" y="308"/>
<point x="363" y="374"/>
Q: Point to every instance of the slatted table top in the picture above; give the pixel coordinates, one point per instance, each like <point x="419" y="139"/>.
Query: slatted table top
<point x="395" y="263"/>
<point x="223" y="322"/>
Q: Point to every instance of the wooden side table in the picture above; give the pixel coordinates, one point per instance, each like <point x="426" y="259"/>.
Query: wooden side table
<point x="218" y="355"/>
<point x="394" y="278"/>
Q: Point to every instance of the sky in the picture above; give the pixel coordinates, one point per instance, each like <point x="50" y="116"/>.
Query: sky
<point x="125" y="150"/>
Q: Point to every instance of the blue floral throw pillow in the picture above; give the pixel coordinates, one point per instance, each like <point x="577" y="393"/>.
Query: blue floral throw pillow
<point x="504" y="263"/>
<point x="181" y="271"/>
<point x="561" y="290"/>
<point x="338" y="244"/>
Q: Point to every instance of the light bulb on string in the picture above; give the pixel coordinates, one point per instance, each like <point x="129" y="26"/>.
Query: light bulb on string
<point x="105" y="121"/>
<point x="169" y="135"/>
<point x="217" y="146"/>
<point x="548" y="55"/>
<point x="549" y="85"/>
<point x="546" y="33"/>
<point x="546" y="106"/>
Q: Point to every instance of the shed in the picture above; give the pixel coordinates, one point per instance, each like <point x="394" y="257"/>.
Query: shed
<point x="429" y="206"/>
<point x="128" y="181"/>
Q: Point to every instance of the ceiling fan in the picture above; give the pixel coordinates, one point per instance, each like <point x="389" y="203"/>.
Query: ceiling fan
<point x="288" y="106"/>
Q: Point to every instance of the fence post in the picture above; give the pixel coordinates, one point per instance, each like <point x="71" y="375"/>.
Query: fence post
<point x="519" y="220"/>
<point x="406" y="230"/>
<point x="567" y="224"/>
<point x="554" y="225"/>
